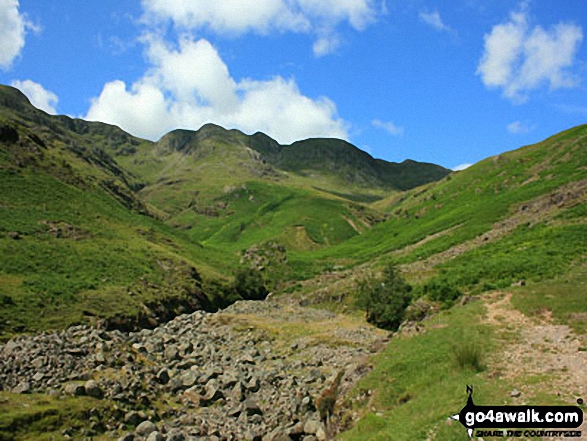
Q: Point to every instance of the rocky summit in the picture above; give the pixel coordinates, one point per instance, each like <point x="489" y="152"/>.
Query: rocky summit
<point x="203" y="376"/>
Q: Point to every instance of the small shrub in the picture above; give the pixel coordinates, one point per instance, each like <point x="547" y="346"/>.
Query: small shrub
<point x="384" y="298"/>
<point x="249" y="284"/>
<point x="327" y="400"/>
<point x="442" y="290"/>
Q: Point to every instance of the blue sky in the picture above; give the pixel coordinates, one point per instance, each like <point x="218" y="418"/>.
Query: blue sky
<point x="436" y="81"/>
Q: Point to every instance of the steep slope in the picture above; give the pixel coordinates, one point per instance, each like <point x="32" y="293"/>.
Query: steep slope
<point x="76" y="243"/>
<point x="516" y="216"/>
<point x="90" y="215"/>
<point x="352" y="167"/>
<point x="233" y="190"/>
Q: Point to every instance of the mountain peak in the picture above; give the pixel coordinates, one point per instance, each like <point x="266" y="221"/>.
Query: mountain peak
<point x="13" y="98"/>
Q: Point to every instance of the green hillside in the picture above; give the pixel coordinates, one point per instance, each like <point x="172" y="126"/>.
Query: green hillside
<point x="76" y="243"/>
<point x="513" y="216"/>
<point x="91" y="215"/>
<point x="96" y="224"/>
<point x="217" y="183"/>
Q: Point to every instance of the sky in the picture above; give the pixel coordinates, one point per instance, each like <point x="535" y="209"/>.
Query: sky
<point x="448" y="82"/>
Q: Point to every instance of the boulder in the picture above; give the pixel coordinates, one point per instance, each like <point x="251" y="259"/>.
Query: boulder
<point x="145" y="428"/>
<point x="74" y="389"/>
<point x="156" y="436"/>
<point x="24" y="387"/>
<point x="252" y="407"/>
<point x="92" y="389"/>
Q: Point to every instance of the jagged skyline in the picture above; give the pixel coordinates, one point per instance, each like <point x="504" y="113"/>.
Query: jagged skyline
<point x="449" y="84"/>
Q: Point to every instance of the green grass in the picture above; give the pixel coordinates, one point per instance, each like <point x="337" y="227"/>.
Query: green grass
<point x="418" y="384"/>
<point x="467" y="204"/>
<point x="565" y="297"/>
<point x="50" y="282"/>
<point x="533" y="253"/>
<point x="42" y="417"/>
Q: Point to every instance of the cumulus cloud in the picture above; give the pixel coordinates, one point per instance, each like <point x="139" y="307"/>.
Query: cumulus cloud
<point x="519" y="128"/>
<point x="236" y="17"/>
<point x="326" y="44"/>
<point x="190" y="85"/>
<point x="38" y="95"/>
<point x="433" y="19"/>
<point x="519" y="58"/>
<point x="389" y="126"/>
<point x="13" y="29"/>
<point x="461" y="167"/>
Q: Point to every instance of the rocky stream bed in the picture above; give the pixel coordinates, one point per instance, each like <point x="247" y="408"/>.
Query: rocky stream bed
<point x="251" y="372"/>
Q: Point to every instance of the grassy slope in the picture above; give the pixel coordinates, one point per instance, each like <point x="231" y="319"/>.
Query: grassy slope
<point x="198" y="178"/>
<point x="50" y="282"/>
<point x="83" y="243"/>
<point x="548" y="251"/>
<point x="467" y="204"/>
<point x="413" y="369"/>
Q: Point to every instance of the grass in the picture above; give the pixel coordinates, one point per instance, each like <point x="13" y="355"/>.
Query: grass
<point x="49" y="281"/>
<point x="412" y="370"/>
<point x="565" y="298"/>
<point x="43" y="417"/>
<point x="468" y="355"/>
<point x="473" y="200"/>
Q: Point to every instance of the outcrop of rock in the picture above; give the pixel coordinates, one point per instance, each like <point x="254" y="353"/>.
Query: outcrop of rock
<point x="200" y="376"/>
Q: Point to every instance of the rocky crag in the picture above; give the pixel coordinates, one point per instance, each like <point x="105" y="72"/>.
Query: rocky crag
<point x="255" y="371"/>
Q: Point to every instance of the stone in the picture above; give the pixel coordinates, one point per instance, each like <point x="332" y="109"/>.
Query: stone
<point x="175" y="435"/>
<point x="74" y="389"/>
<point x="171" y="353"/>
<point x="296" y="430"/>
<point x="163" y="376"/>
<point x="134" y="418"/>
<point x="127" y="437"/>
<point x="213" y="394"/>
<point x="252" y="436"/>
<point x="515" y="393"/>
<point x="321" y="434"/>
<point x="92" y="389"/>
<point x="145" y="428"/>
<point x="100" y="358"/>
<point x="247" y="359"/>
<point x="156" y="436"/>
<point x="237" y="392"/>
<point x="189" y="379"/>
<point x="252" y="407"/>
<point x="229" y="379"/>
<point x="253" y="384"/>
<point x="23" y="387"/>
<point x="312" y="427"/>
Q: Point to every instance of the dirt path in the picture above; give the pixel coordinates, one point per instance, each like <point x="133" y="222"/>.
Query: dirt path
<point x="551" y="356"/>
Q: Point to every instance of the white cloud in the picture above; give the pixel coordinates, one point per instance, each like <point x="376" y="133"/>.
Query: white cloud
<point x="518" y="58"/>
<point x="190" y="85"/>
<point x="388" y="126"/>
<point x="461" y="167"/>
<point x="326" y="44"/>
<point x="13" y="29"/>
<point x="433" y="19"/>
<point x="236" y="17"/>
<point x="38" y="95"/>
<point x="519" y="128"/>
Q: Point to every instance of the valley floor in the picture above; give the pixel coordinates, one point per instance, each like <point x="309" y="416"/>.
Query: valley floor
<point x="258" y="370"/>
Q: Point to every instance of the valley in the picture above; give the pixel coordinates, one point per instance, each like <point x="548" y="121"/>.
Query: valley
<point x="208" y="284"/>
